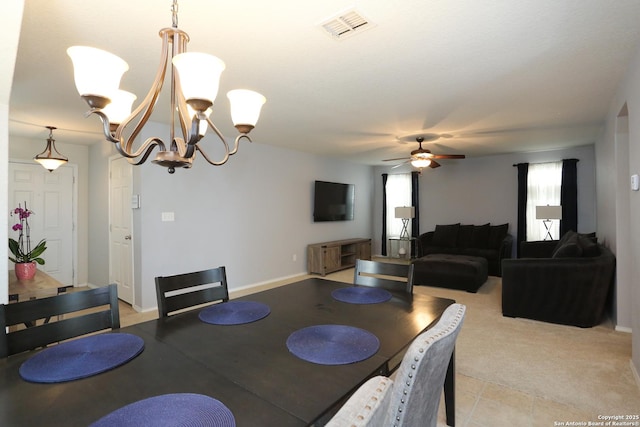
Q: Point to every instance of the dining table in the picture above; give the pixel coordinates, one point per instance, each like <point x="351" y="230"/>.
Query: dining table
<point x="248" y="367"/>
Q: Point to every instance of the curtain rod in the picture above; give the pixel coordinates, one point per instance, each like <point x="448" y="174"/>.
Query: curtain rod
<point x="539" y="163"/>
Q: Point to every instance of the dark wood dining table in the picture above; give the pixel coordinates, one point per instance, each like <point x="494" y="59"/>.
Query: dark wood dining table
<point x="247" y="367"/>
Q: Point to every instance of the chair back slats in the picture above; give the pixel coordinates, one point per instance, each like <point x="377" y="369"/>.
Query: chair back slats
<point x="187" y="290"/>
<point x="74" y="304"/>
<point x="57" y="331"/>
<point x="396" y="276"/>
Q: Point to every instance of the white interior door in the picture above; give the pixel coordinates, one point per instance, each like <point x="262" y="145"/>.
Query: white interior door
<point x="120" y="233"/>
<point x="50" y="196"/>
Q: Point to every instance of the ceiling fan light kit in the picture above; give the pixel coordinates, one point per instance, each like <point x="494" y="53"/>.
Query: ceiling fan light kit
<point x="422" y="157"/>
<point x="194" y="87"/>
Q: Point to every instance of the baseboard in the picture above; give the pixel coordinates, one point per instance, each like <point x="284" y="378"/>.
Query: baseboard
<point x="634" y="371"/>
<point x="267" y="284"/>
<point x="625" y="329"/>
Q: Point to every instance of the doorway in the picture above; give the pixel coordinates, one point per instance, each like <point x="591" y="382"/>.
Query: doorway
<point x="51" y="196"/>
<point x="120" y="228"/>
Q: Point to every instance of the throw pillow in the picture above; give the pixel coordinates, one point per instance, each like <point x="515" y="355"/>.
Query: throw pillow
<point x="446" y="235"/>
<point x="589" y="247"/>
<point x="570" y="248"/>
<point x="480" y="236"/>
<point x="465" y="233"/>
<point x="564" y="239"/>
<point x="496" y="234"/>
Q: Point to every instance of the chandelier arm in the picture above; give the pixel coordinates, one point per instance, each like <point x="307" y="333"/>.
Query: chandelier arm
<point x="150" y="99"/>
<point x="190" y="146"/>
<point x="220" y="163"/>
<point x="106" y="125"/>
<point x="147" y="147"/>
<point x="237" y="143"/>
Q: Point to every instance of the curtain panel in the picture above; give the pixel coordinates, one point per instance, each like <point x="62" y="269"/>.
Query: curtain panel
<point x="383" y="249"/>
<point x="569" y="196"/>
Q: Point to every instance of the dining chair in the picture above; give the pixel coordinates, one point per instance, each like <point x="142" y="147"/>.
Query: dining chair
<point x="89" y="311"/>
<point x="385" y="275"/>
<point x="188" y="289"/>
<point x="411" y="400"/>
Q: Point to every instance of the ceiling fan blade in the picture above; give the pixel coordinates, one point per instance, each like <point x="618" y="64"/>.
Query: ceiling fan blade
<point x="448" y="156"/>
<point x="434" y="164"/>
<point x="400" y="158"/>
<point x="400" y="164"/>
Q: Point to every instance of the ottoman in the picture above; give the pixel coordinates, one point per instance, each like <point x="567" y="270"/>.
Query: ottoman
<point x="450" y="271"/>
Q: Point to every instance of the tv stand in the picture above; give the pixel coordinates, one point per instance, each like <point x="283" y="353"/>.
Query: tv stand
<point x="327" y="257"/>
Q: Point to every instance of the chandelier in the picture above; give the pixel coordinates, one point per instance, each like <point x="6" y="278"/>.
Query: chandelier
<point x="50" y="158"/>
<point x="194" y="87"/>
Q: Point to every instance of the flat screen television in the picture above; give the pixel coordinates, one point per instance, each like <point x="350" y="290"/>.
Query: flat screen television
<point x="333" y="201"/>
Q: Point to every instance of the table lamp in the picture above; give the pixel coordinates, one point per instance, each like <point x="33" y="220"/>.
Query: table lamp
<point x="405" y="213"/>
<point x="547" y="214"/>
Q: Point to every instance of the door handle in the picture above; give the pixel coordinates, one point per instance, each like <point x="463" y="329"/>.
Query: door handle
<point x="128" y="237"/>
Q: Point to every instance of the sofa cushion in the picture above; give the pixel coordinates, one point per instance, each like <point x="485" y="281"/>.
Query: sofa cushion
<point x="564" y="239"/>
<point x="480" y="236"/>
<point x="588" y="245"/>
<point x="570" y="248"/>
<point x="497" y="233"/>
<point x="465" y="233"/>
<point x="446" y="235"/>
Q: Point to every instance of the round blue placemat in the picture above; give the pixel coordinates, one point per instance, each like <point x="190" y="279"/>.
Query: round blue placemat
<point x="234" y="312"/>
<point x="361" y="295"/>
<point x="81" y="358"/>
<point x="333" y="344"/>
<point x="169" y="410"/>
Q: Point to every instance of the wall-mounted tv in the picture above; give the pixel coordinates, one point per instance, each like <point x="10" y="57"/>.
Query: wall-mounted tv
<point x="333" y="201"/>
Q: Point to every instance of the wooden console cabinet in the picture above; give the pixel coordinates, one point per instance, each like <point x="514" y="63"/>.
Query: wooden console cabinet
<point x="327" y="257"/>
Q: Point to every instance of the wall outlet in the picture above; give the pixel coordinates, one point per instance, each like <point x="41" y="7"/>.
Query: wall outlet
<point x="168" y="216"/>
<point x="294" y="257"/>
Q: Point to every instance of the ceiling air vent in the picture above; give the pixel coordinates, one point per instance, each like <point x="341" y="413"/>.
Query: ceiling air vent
<point x="345" y="24"/>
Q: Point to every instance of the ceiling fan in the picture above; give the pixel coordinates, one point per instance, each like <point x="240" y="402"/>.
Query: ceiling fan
<point x="422" y="158"/>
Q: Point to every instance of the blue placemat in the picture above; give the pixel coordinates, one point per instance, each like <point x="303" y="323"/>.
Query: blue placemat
<point x="361" y="295"/>
<point x="169" y="410"/>
<point x="333" y="344"/>
<point x="81" y="358"/>
<point x="234" y="312"/>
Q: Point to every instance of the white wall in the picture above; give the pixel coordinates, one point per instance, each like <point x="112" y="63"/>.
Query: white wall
<point x="251" y="215"/>
<point x="618" y="149"/>
<point x="11" y="20"/>
<point x="484" y="189"/>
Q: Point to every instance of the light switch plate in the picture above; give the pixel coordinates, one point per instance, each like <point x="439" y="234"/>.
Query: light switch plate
<point x="635" y="182"/>
<point x="168" y="216"/>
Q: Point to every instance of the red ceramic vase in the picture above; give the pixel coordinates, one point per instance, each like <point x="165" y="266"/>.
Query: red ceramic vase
<point x="25" y="270"/>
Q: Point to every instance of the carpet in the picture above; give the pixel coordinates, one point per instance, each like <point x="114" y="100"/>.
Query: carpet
<point x="584" y="368"/>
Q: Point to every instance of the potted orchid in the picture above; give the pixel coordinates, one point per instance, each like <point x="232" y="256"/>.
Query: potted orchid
<point x="24" y="257"/>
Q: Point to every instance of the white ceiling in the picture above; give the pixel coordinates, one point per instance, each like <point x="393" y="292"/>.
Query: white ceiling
<point x="496" y="76"/>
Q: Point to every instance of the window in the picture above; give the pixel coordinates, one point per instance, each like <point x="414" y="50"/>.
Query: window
<point x="544" y="182"/>
<point x="398" y="194"/>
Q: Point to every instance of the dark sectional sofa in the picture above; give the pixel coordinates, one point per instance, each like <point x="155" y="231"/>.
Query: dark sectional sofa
<point x="566" y="282"/>
<point x="491" y="242"/>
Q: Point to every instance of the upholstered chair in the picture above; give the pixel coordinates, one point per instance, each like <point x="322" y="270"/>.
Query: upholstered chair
<point x="411" y="400"/>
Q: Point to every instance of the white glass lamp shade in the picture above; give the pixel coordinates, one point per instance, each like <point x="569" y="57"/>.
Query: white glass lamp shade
<point x="199" y="75"/>
<point x="51" y="164"/>
<point x="245" y="106"/>
<point x="421" y="163"/>
<point x="96" y="72"/>
<point x="120" y="106"/>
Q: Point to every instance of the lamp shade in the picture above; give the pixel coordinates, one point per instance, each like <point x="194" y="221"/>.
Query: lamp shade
<point x="405" y="212"/>
<point x="245" y="106"/>
<point x="120" y="106"/>
<point x="96" y="71"/>
<point x="199" y="75"/>
<point x="548" y="212"/>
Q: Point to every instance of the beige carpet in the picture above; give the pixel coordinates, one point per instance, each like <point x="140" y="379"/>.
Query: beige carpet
<point x="573" y="368"/>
